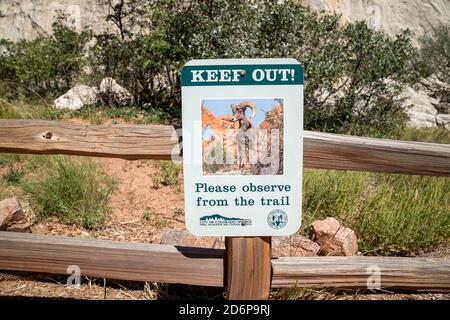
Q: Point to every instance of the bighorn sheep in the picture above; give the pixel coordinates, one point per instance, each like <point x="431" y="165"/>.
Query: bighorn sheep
<point x="244" y="125"/>
<point x="239" y="114"/>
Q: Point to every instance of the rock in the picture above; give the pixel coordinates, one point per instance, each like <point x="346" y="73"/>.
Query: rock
<point x="434" y="87"/>
<point x="294" y="246"/>
<point x="84" y="234"/>
<point x="420" y="108"/>
<point x="334" y="238"/>
<point x="387" y="15"/>
<point x="443" y="120"/>
<point x="12" y="216"/>
<point x="112" y="93"/>
<point x="77" y="97"/>
<point x="186" y="239"/>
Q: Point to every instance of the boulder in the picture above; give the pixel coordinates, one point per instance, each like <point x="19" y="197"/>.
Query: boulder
<point x="420" y="107"/>
<point x="434" y="87"/>
<point x="185" y="239"/>
<point x="77" y="97"/>
<point x="294" y="246"/>
<point x="12" y="216"/>
<point x="443" y="120"/>
<point x="112" y="93"/>
<point x="334" y="238"/>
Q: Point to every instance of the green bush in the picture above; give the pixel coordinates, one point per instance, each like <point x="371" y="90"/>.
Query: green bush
<point x="353" y="74"/>
<point x="43" y="67"/>
<point x="77" y="191"/>
<point x="435" y="52"/>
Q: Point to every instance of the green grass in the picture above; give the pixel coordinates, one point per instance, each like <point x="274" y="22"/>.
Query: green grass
<point x="77" y="191"/>
<point x="167" y="174"/>
<point x="436" y="135"/>
<point x="155" y="220"/>
<point x="332" y="193"/>
<point x="7" y="158"/>
<point x="391" y="214"/>
<point x="18" y="110"/>
<point x="133" y="114"/>
<point x="94" y="114"/>
<point x="13" y="175"/>
<point x="405" y="213"/>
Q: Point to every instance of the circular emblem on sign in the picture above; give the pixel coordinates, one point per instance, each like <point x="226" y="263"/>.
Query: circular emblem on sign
<point x="277" y="219"/>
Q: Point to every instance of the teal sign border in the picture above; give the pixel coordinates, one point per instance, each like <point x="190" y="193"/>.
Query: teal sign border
<point x="246" y="79"/>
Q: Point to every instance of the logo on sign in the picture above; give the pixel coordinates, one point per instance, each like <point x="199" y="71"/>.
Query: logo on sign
<point x="277" y="219"/>
<point x="218" y="220"/>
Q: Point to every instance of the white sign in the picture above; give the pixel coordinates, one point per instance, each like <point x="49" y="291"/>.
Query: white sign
<point x="242" y="146"/>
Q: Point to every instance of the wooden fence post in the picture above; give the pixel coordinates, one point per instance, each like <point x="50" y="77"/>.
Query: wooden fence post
<point x="248" y="268"/>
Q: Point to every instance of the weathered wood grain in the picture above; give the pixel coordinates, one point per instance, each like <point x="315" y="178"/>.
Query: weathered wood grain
<point x="112" y="259"/>
<point x="200" y="266"/>
<point x="248" y="268"/>
<point x="342" y="152"/>
<point x="354" y="272"/>
<point x="321" y="150"/>
<point x="117" y="141"/>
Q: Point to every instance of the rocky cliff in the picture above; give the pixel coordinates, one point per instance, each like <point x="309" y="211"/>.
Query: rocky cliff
<point x="26" y="18"/>
<point x="390" y="16"/>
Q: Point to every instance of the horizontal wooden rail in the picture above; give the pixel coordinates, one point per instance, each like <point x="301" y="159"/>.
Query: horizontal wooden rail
<point x="200" y="266"/>
<point x="342" y="152"/>
<point x="112" y="259"/>
<point x="321" y="150"/>
<point x="353" y="272"/>
<point x="115" y="141"/>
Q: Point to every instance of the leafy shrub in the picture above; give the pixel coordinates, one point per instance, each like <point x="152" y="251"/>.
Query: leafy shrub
<point x="353" y="74"/>
<point x="74" y="190"/>
<point x="435" y="52"/>
<point x="46" y="65"/>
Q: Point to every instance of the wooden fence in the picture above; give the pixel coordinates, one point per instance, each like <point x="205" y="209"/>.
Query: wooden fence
<point x="246" y="268"/>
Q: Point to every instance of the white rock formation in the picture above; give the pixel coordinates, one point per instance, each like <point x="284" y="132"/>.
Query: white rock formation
<point x="390" y="16"/>
<point x="443" y="120"/>
<point x="77" y="97"/>
<point x="113" y="93"/>
<point x="420" y="107"/>
<point x="427" y="103"/>
<point x="27" y="18"/>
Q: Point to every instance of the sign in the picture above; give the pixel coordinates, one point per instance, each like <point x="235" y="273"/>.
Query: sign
<point x="242" y="146"/>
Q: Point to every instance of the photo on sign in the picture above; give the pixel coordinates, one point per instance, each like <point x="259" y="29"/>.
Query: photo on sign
<point x="242" y="136"/>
